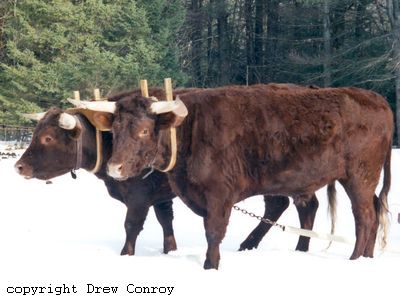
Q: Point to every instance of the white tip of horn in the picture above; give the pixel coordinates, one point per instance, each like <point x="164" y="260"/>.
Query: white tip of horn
<point x="67" y="121"/>
<point x="102" y="106"/>
<point x="76" y="103"/>
<point x="34" y="116"/>
<point x="177" y="107"/>
<point x="181" y="109"/>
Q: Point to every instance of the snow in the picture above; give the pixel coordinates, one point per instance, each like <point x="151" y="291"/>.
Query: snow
<point x="67" y="236"/>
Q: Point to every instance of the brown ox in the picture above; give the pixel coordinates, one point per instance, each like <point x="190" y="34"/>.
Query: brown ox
<point x="53" y="152"/>
<point x="240" y="141"/>
<point x="58" y="156"/>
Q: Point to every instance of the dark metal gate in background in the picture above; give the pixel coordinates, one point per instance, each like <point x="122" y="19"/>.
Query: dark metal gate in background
<point x="14" y="136"/>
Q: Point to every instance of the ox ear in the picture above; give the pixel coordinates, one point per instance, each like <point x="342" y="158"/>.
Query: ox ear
<point x="168" y="120"/>
<point x="103" y="120"/>
<point x="76" y="132"/>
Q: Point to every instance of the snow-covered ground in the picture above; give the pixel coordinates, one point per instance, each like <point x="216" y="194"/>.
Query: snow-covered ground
<point x="66" y="237"/>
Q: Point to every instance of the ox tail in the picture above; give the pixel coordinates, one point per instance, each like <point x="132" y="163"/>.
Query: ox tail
<point x="332" y="205"/>
<point x="381" y="203"/>
<point x="331" y="190"/>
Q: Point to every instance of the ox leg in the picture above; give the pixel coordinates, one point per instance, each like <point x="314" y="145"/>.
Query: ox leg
<point x="369" y="249"/>
<point x="215" y="224"/>
<point x="165" y="215"/>
<point x="274" y="207"/>
<point x="362" y="203"/>
<point x="135" y="217"/>
<point x="307" y="211"/>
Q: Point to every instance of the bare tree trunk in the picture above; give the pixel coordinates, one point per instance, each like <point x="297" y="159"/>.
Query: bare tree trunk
<point x="327" y="44"/>
<point x="397" y="80"/>
<point x="393" y="8"/>
<point x="259" y="34"/>
<point x="223" y="43"/>
<point x="359" y="30"/>
<point x="196" y="21"/>
<point x="210" y="42"/>
<point x="272" y="38"/>
<point x="248" y="7"/>
<point x="338" y="11"/>
<point x="396" y="47"/>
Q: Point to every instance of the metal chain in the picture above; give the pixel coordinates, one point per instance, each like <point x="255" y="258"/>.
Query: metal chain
<point x="253" y="215"/>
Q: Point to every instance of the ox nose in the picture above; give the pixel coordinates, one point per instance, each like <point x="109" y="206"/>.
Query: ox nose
<point x="23" y="170"/>
<point x="114" y="170"/>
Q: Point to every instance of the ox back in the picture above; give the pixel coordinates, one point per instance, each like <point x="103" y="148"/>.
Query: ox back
<point x="241" y="141"/>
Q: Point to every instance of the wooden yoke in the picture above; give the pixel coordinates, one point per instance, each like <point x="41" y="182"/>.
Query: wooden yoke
<point x="78" y="163"/>
<point x="77" y="96"/>
<point x="169" y="94"/>
<point x="168" y="89"/>
<point x="143" y="88"/>
<point x="99" y="140"/>
<point x="96" y="93"/>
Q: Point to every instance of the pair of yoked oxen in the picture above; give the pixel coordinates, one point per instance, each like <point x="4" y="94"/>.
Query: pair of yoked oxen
<point x="276" y="140"/>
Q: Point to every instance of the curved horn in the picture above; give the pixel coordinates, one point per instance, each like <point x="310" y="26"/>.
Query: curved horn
<point x="34" y="116"/>
<point x="103" y="106"/>
<point x="67" y="121"/>
<point x="177" y="107"/>
<point x="181" y="109"/>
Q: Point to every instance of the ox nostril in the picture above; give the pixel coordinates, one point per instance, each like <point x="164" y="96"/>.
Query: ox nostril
<point x="19" y="168"/>
<point x="23" y="169"/>
<point x="115" y="170"/>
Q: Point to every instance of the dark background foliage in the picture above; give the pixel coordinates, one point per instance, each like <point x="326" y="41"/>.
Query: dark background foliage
<point x="48" y="48"/>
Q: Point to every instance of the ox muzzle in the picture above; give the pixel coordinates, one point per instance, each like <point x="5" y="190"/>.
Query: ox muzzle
<point x="115" y="171"/>
<point x="23" y="169"/>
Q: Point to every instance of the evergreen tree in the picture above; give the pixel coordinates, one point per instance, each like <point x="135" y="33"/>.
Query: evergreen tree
<point x="10" y="107"/>
<point x="165" y="19"/>
<point x="53" y="47"/>
<point x="48" y="48"/>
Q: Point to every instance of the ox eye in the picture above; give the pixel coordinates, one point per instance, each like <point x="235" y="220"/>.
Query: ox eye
<point x="47" y="139"/>
<point x="144" y="132"/>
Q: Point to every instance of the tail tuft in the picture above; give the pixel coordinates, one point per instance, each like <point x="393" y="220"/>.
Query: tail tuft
<point x="332" y="207"/>
<point x="382" y="207"/>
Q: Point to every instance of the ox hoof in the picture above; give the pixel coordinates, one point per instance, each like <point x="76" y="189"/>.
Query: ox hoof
<point x="303" y="244"/>
<point x="354" y="256"/>
<point x="369" y="255"/>
<point x="169" y="244"/>
<point x="302" y="249"/>
<point x="249" y="244"/>
<point x="208" y="265"/>
<point x="127" y="251"/>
